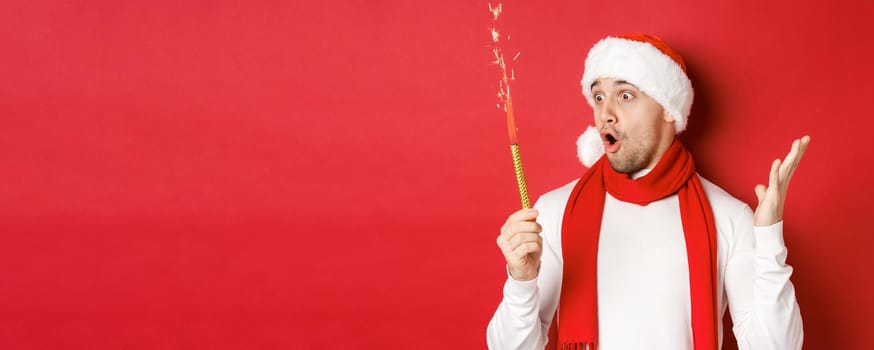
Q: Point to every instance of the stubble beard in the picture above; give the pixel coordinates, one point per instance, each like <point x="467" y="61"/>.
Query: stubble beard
<point x="631" y="157"/>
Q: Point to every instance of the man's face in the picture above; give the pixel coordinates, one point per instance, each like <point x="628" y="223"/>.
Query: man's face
<point x="635" y="129"/>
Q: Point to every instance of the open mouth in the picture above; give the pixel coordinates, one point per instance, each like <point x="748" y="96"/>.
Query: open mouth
<point x="610" y="139"/>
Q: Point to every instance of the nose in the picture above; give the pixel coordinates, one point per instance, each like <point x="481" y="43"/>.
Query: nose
<point x="607" y="113"/>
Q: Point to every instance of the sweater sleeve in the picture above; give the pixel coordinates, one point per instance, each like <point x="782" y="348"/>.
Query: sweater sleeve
<point x="524" y="315"/>
<point x="761" y="297"/>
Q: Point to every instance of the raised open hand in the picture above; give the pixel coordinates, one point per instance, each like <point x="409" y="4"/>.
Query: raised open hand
<point x="772" y="198"/>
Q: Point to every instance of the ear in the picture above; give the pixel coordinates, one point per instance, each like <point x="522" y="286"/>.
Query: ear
<point x="667" y="116"/>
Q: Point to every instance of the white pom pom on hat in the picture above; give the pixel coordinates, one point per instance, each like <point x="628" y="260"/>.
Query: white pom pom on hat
<point x="590" y="147"/>
<point x="645" y="61"/>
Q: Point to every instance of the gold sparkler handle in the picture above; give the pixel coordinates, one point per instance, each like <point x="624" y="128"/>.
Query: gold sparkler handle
<point x="520" y="176"/>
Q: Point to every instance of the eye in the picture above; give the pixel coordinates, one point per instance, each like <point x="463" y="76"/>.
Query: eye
<point x="599" y="97"/>
<point x="626" y="95"/>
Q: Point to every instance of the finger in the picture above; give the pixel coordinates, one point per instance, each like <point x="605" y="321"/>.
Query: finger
<point x="789" y="161"/>
<point x="511" y="229"/>
<point x="526" y="248"/>
<point x="773" y="178"/>
<point x="520" y="215"/>
<point x="801" y="149"/>
<point x="805" y="141"/>
<point x="760" y="192"/>
<point x="517" y="227"/>
<point x="523" y="215"/>
<point x="525" y="238"/>
<point x="508" y="243"/>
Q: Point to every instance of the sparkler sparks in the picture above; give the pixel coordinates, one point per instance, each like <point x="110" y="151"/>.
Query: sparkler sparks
<point x="507" y="73"/>
<point x="496" y="11"/>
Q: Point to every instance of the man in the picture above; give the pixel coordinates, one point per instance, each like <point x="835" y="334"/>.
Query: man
<point x="641" y="252"/>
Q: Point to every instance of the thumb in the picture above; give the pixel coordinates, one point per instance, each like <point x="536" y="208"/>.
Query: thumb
<point x="760" y="192"/>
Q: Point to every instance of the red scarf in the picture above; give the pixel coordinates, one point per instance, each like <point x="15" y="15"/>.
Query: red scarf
<point x="675" y="173"/>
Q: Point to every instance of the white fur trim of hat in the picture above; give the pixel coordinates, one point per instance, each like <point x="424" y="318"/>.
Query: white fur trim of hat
<point x="637" y="60"/>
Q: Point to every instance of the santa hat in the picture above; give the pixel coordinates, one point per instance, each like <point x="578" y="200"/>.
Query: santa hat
<point x="645" y="61"/>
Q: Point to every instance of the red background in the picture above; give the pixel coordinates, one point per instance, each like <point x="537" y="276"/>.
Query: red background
<point x="322" y="174"/>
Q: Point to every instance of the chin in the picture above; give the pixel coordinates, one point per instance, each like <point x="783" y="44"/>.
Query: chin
<point x="625" y="166"/>
<point x="618" y="165"/>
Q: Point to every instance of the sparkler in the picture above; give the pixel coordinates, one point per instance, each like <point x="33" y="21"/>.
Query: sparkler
<point x="506" y="102"/>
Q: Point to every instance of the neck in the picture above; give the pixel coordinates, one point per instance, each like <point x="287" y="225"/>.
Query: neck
<point x="665" y="142"/>
<point x="640" y="173"/>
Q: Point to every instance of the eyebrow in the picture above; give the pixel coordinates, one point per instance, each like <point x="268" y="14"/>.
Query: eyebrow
<point x="618" y="82"/>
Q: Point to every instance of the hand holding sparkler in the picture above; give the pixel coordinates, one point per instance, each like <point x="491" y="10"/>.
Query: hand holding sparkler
<point x="521" y="244"/>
